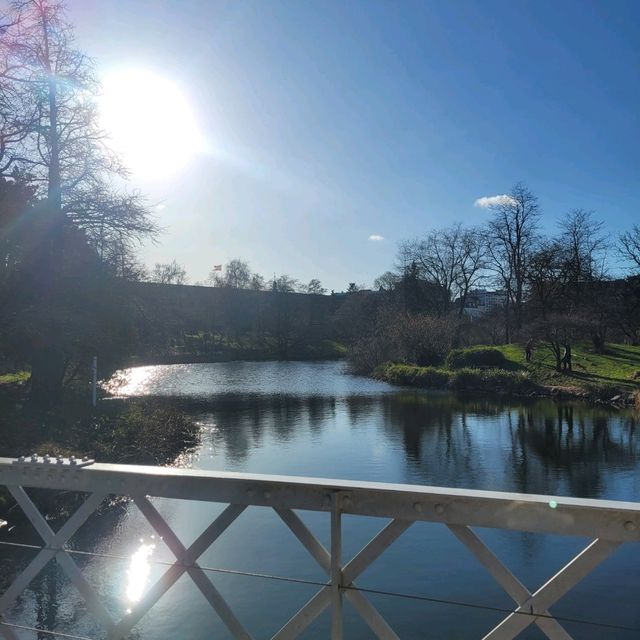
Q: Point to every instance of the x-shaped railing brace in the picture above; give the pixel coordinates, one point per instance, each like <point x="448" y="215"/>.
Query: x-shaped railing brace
<point x="186" y="563"/>
<point x="540" y="601"/>
<point x="312" y="609"/>
<point x="528" y="603"/>
<point x="54" y="548"/>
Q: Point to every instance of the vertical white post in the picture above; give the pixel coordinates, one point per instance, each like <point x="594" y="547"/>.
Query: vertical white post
<point x="336" y="567"/>
<point x="94" y="380"/>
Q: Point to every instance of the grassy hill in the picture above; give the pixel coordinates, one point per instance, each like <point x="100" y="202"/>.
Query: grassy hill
<point x="618" y="367"/>
<point x="594" y="376"/>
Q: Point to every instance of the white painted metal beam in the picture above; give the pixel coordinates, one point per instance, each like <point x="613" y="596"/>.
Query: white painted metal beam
<point x="613" y="523"/>
<point x="606" y="519"/>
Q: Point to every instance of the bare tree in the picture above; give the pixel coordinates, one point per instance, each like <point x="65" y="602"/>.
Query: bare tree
<point x="169" y="273"/>
<point x="257" y="282"/>
<point x="388" y="281"/>
<point x="559" y="332"/>
<point x="49" y="133"/>
<point x="546" y="275"/>
<point x="511" y="235"/>
<point x="237" y="275"/>
<point x="49" y="125"/>
<point x="630" y="246"/>
<point x="314" y="286"/>
<point x="584" y="248"/>
<point x="471" y="265"/>
<point x="122" y="263"/>
<point x="284" y="284"/>
<point x="452" y="259"/>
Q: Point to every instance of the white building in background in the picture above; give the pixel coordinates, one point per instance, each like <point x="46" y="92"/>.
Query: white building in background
<point x="480" y="302"/>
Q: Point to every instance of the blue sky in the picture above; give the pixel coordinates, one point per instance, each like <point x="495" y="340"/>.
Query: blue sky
<point x="328" y="122"/>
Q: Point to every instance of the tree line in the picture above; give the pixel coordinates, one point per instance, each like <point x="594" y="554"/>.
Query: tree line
<point x="236" y="274"/>
<point x="554" y="287"/>
<point x="70" y="228"/>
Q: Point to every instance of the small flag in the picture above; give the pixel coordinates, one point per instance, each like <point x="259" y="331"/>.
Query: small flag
<point x="217" y="267"/>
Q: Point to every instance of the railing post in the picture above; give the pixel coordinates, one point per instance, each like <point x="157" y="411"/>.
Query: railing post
<point x="336" y="567"/>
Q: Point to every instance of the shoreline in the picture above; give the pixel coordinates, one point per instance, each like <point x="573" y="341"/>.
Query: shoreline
<point x="146" y="361"/>
<point x="431" y="379"/>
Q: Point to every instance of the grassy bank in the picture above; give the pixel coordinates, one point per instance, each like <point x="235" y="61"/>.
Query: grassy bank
<point x="503" y="369"/>
<point x="618" y="368"/>
<point x="464" y="379"/>
<point x="14" y="378"/>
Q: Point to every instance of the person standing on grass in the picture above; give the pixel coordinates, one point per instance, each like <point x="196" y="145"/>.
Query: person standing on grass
<point x="528" y="350"/>
<point x="566" y="360"/>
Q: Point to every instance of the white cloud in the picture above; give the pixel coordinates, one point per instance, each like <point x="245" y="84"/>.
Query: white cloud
<point x="492" y="201"/>
<point x="161" y="207"/>
<point x="374" y="237"/>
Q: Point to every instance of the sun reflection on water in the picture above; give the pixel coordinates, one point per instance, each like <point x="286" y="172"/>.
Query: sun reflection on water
<point x="138" y="572"/>
<point x="128" y="382"/>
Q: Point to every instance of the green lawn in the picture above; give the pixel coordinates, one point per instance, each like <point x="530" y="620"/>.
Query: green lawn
<point x="617" y="366"/>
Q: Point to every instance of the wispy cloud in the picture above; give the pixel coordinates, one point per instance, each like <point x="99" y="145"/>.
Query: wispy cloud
<point x="492" y="201"/>
<point x="375" y="237"/>
<point x="160" y="207"/>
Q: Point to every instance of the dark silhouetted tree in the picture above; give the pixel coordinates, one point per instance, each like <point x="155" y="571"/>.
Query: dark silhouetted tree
<point x="314" y="286"/>
<point x="49" y="129"/>
<point x="168" y="273"/>
<point x="630" y="247"/>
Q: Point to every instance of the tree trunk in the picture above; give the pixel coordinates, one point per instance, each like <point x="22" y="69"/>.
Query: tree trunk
<point x="47" y="373"/>
<point x="48" y="358"/>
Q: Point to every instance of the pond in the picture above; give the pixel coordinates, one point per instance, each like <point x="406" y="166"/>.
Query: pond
<point x="313" y="419"/>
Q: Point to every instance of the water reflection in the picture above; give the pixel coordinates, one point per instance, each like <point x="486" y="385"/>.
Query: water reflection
<point x="302" y="419"/>
<point x="534" y="447"/>
<point x="138" y="573"/>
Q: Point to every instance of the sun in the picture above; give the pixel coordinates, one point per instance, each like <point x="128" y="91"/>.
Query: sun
<point x="150" y="122"/>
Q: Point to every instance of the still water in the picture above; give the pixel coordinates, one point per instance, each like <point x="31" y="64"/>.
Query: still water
<point x="312" y="419"/>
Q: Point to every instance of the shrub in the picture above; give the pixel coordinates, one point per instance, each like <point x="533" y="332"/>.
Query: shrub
<point x="421" y="339"/>
<point x="468" y="379"/>
<point x="465" y="379"/>
<point x="368" y="353"/>
<point x="476" y="357"/>
<point x="147" y="431"/>
<point x="508" y="381"/>
<point x="411" y="375"/>
<point x="414" y="339"/>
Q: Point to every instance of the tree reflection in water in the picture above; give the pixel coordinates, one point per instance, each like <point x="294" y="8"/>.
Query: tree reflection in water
<point x="530" y="446"/>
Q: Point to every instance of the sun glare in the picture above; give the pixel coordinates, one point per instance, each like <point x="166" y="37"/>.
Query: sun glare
<point x="150" y="122"/>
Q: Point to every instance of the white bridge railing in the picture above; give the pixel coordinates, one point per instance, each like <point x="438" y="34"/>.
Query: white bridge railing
<point x="608" y="524"/>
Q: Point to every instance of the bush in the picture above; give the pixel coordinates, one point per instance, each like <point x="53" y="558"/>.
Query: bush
<point x="476" y="357"/>
<point x="508" y="381"/>
<point x="468" y="379"/>
<point x="411" y="375"/>
<point x="147" y="431"/>
<point x="414" y="339"/>
<point x="421" y="339"/>
<point x="368" y="353"/>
